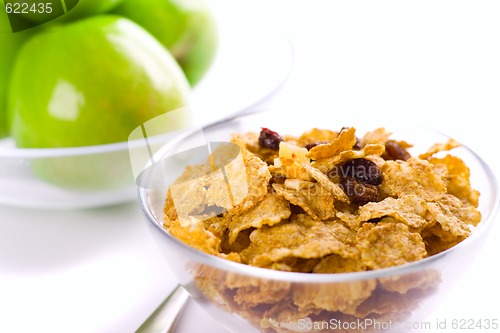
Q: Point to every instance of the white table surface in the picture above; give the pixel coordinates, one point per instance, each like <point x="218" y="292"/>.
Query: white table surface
<point x="437" y="63"/>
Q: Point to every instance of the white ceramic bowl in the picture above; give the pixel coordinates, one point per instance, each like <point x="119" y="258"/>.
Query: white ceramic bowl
<point x="65" y="178"/>
<point x="207" y="278"/>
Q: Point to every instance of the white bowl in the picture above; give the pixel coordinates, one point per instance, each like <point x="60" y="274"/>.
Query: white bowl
<point x="65" y="178"/>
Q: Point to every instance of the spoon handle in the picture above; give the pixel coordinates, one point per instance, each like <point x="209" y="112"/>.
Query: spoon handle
<point x="163" y="319"/>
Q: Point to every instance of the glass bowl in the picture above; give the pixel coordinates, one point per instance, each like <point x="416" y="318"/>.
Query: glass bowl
<point x="244" y="298"/>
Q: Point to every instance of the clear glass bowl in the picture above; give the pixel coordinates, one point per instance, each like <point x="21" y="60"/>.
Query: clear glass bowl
<point x="399" y="296"/>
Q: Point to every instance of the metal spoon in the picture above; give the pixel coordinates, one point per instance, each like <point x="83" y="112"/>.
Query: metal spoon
<point x="164" y="318"/>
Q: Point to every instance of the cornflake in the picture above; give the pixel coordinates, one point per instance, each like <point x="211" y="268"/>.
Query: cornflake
<point x="389" y="243"/>
<point x="296" y="209"/>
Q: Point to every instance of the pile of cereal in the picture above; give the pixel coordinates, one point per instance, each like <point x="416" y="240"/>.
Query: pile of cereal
<point x="323" y="202"/>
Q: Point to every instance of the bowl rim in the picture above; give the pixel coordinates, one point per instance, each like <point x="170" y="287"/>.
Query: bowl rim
<point x="297" y="277"/>
<point x="81" y="150"/>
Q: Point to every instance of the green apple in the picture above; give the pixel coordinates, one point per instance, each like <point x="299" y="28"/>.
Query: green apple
<point x="95" y="80"/>
<point x="9" y="45"/>
<point x="187" y="28"/>
<point x="93" y="7"/>
<point x="86" y="8"/>
<point x="88" y="83"/>
<point x="75" y="9"/>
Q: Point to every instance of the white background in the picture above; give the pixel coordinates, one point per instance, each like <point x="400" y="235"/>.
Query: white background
<point x="431" y="62"/>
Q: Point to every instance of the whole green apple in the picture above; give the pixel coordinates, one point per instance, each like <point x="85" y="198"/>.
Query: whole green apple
<point x="187" y="28"/>
<point x="91" y="82"/>
<point x="10" y="43"/>
<point x="88" y="83"/>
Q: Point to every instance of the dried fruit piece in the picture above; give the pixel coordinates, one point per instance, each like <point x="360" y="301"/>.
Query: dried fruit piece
<point x="362" y="170"/>
<point x="289" y="168"/>
<point x="395" y="151"/>
<point x="314" y="144"/>
<point x="298" y="154"/>
<point x="359" y="193"/>
<point x="269" y="139"/>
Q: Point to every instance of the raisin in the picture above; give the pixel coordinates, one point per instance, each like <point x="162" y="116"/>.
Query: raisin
<point x="362" y="170"/>
<point x="314" y="144"/>
<point x="269" y="139"/>
<point x="358" y="192"/>
<point x="395" y="151"/>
